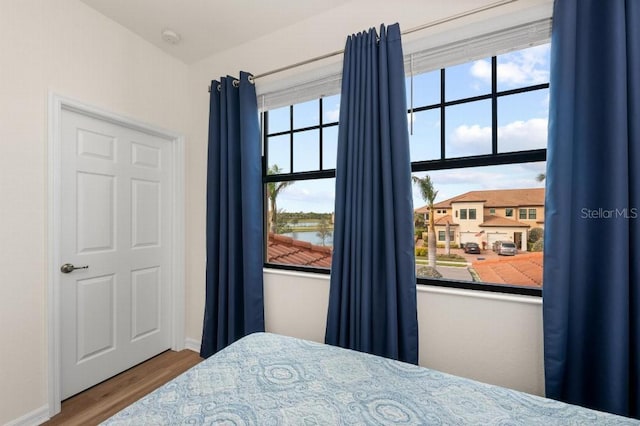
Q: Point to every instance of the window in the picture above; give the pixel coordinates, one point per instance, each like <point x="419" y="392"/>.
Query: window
<point x="478" y="129"/>
<point x="481" y="138"/>
<point x="443" y="234"/>
<point x="300" y="143"/>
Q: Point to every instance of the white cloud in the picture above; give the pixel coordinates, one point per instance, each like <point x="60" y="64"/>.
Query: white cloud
<point x="469" y="140"/>
<point x="481" y="70"/>
<point x="524" y="67"/>
<point x="309" y="195"/>
<point x="515" y="136"/>
<point x="520" y="135"/>
<point x="332" y="114"/>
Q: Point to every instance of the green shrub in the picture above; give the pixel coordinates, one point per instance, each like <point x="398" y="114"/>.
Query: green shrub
<point x="538" y="245"/>
<point x="451" y="245"/>
<point x="535" y="234"/>
<point x="421" y="251"/>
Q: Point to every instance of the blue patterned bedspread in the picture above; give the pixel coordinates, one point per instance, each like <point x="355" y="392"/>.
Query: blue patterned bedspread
<point x="266" y="379"/>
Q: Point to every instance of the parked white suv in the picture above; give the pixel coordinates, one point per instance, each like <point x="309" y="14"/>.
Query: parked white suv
<point x="506" y="248"/>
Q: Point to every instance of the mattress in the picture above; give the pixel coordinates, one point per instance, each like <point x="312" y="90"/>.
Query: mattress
<point x="267" y="379"/>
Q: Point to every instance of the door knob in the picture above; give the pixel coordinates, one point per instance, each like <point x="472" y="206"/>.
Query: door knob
<point x="68" y="267"/>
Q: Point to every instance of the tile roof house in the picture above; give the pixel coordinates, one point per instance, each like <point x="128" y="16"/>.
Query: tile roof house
<point x="285" y="250"/>
<point x="488" y="216"/>
<point x="525" y="270"/>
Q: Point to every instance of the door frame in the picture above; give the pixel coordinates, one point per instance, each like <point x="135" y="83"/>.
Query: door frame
<point x="58" y="103"/>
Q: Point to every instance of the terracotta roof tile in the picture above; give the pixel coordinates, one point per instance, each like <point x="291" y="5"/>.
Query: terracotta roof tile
<point x="444" y="219"/>
<point x="285" y="250"/>
<point x="502" y="221"/>
<point x="521" y="269"/>
<point x="499" y="198"/>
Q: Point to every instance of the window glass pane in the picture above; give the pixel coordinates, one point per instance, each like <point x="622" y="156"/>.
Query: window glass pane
<point x="306" y="114"/>
<point x="490" y="192"/>
<point x="508" y="212"/>
<point x="301" y="232"/>
<point x="523" y="214"/>
<point x="329" y="147"/>
<point x="424" y="144"/>
<point x="522" y="121"/>
<point x="279" y="154"/>
<point x="279" y="120"/>
<point x="468" y="80"/>
<point x="306" y="151"/>
<point x="523" y="68"/>
<point x="532" y="213"/>
<point x="468" y="129"/>
<point x="331" y="109"/>
<point x="426" y="89"/>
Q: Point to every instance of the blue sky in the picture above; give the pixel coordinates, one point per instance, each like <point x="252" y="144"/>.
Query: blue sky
<point x="522" y="124"/>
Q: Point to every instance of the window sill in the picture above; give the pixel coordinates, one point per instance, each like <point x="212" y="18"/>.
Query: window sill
<point x="424" y="284"/>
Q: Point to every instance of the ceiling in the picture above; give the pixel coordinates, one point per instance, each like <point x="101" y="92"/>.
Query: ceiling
<point x="207" y="27"/>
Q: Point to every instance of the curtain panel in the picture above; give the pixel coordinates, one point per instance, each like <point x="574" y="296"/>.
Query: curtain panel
<point x="372" y="301"/>
<point x="234" y="304"/>
<point x="591" y="294"/>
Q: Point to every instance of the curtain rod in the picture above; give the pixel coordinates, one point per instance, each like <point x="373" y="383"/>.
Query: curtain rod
<point x="409" y="31"/>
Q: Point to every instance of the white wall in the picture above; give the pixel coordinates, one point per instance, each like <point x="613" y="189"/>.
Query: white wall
<point x="66" y="47"/>
<point x="494" y="338"/>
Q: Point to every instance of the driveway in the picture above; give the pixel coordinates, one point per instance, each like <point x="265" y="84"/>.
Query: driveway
<point x="455" y="273"/>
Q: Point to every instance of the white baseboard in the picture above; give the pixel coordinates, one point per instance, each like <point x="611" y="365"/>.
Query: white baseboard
<point x="36" y="417"/>
<point x="192" y="344"/>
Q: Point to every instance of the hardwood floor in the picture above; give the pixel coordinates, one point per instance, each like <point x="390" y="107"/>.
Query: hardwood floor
<point x="103" y="400"/>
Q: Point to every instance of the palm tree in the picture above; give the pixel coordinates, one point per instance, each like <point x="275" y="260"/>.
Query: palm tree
<point x="429" y="194"/>
<point x="273" y="190"/>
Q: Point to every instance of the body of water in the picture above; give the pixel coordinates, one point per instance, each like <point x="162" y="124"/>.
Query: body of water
<point x="310" y="237"/>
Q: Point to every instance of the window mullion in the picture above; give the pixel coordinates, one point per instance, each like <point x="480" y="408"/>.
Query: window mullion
<point x="494" y="105"/>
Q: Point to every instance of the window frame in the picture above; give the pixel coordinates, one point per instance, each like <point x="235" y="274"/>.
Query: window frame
<point x="495" y="158"/>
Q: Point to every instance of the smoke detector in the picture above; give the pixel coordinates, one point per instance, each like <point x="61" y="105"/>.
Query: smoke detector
<point x="170" y="36"/>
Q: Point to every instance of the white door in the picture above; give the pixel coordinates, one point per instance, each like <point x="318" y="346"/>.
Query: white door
<point x="116" y="219"/>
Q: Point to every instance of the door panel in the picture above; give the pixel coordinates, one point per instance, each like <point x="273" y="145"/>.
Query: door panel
<point x="95" y="306"/>
<point x="145" y="295"/>
<point x="95" y="216"/>
<point x="116" y="218"/>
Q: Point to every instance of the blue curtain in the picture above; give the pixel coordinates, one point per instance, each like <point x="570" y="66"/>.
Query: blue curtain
<point x="234" y="294"/>
<point x="591" y="293"/>
<point x="372" y="301"/>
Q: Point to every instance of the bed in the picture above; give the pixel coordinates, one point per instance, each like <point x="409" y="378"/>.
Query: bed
<point x="267" y="379"/>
